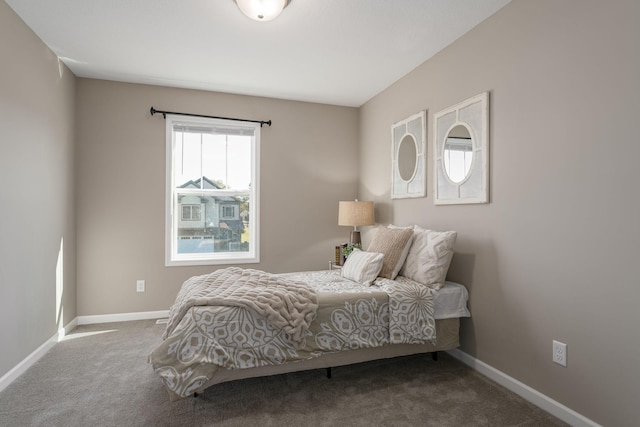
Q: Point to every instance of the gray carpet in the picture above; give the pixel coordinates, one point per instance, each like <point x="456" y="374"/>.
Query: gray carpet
<point x="98" y="376"/>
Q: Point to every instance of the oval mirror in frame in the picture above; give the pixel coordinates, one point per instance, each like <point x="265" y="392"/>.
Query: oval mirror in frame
<point x="407" y="160"/>
<point x="458" y="153"/>
<point x="461" y="172"/>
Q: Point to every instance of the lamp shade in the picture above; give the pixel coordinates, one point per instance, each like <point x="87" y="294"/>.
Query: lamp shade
<point x="355" y="213"/>
<point x="262" y="10"/>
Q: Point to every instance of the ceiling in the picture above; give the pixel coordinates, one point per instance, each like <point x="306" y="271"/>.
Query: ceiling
<point x="340" y="52"/>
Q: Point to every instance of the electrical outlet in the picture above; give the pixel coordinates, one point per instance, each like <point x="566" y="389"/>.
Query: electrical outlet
<point x="560" y="353"/>
<point x="139" y="285"/>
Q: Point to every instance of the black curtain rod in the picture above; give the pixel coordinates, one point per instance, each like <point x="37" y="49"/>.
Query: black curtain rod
<point x="164" y="114"/>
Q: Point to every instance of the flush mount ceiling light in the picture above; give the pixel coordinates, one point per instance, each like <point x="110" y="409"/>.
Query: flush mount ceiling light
<point x="262" y="10"/>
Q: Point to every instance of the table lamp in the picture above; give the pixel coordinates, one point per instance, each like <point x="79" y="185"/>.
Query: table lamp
<point x="355" y="214"/>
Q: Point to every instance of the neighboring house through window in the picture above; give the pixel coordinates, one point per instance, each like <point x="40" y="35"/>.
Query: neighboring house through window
<point x="212" y="191"/>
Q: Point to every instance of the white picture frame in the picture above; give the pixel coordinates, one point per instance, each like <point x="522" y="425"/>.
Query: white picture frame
<point x="471" y="119"/>
<point x="409" y="157"/>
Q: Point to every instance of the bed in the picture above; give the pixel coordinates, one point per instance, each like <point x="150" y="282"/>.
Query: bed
<point x="266" y="324"/>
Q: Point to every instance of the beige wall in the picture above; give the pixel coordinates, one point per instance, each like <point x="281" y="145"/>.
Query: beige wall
<point x="36" y="192"/>
<point x="308" y="163"/>
<point x="553" y="256"/>
<point x="555" y="253"/>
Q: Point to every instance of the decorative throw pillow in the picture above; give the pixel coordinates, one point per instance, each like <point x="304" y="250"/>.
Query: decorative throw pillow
<point x="429" y="257"/>
<point x="408" y="246"/>
<point x="362" y="267"/>
<point x="394" y="243"/>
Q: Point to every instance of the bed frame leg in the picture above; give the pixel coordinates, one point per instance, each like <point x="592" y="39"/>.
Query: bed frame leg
<point x="434" y="356"/>
<point x="328" y="372"/>
<point x="195" y="395"/>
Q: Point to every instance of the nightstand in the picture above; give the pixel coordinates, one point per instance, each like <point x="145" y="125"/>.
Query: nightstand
<point x="334" y="266"/>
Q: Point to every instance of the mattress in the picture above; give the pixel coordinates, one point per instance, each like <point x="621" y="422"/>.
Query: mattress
<point x="451" y="301"/>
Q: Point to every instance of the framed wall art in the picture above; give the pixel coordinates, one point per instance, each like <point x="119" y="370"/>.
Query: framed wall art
<point x="461" y="152"/>
<point x="409" y="158"/>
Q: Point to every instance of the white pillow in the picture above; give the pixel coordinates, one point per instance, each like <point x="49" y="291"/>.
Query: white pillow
<point x="429" y="256"/>
<point x="362" y="267"/>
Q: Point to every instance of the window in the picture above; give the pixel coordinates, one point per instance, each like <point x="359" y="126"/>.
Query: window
<point x="212" y="191"/>
<point x="228" y="212"/>
<point x="191" y="212"/>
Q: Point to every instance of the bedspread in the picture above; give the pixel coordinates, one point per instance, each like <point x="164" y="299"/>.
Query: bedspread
<point x="285" y="303"/>
<point x="411" y="319"/>
<point x="348" y="316"/>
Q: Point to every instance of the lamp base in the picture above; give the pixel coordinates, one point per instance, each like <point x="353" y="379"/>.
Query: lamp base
<point x="355" y="238"/>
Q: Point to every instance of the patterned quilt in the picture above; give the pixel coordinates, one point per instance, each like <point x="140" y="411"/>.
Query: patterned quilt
<point x="348" y="316"/>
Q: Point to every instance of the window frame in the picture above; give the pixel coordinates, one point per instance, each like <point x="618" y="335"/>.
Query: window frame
<point x="173" y="212"/>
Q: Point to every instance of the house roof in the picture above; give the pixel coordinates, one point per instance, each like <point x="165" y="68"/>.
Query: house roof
<point x="209" y="185"/>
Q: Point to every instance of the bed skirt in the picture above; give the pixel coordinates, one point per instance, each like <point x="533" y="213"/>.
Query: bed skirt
<point x="447" y="333"/>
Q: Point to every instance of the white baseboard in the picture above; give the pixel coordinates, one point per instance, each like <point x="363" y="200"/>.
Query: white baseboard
<point x="32" y="358"/>
<point x="533" y="396"/>
<point x="36" y="355"/>
<point x="122" y="317"/>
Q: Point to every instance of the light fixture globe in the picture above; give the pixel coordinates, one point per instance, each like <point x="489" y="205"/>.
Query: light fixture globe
<point x="262" y="10"/>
